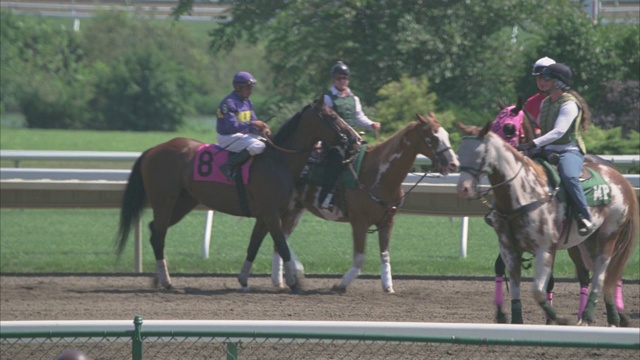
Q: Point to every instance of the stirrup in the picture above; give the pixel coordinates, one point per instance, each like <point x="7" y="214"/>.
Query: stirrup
<point x="326" y="204"/>
<point x="228" y="171"/>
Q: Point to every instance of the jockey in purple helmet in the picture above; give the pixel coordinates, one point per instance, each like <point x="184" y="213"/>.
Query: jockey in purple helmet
<point x="238" y="126"/>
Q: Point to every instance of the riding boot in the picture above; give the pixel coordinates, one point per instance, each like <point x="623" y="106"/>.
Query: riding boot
<point x="585" y="227"/>
<point x="330" y="177"/>
<point x="229" y="168"/>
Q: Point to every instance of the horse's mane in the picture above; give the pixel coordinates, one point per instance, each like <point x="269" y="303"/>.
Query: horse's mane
<point x="289" y="127"/>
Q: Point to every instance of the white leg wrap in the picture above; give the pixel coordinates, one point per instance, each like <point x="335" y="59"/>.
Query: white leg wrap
<point x="290" y="273"/>
<point x="276" y="270"/>
<point x="385" y="272"/>
<point x="354" y="272"/>
<point x="162" y="271"/>
<point x="243" y="277"/>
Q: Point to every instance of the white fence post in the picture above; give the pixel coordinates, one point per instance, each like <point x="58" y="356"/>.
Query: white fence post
<point x="206" y="241"/>
<point x="464" y="230"/>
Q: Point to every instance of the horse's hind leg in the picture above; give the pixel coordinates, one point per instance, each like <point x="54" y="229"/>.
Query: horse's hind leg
<point x="257" y="235"/>
<point x="161" y="222"/>
<point x="289" y="222"/>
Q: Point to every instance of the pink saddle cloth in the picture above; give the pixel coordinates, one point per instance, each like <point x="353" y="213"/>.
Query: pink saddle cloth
<point x="206" y="166"/>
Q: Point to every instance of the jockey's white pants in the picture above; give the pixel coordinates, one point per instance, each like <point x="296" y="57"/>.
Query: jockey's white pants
<point x="238" y="142"/>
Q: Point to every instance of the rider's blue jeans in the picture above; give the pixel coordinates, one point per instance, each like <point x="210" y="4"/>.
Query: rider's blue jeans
<point x="569" y="167"/>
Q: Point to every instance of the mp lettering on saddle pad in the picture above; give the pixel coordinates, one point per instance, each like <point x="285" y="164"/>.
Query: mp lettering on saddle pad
<point x="206" y="166"/>
<point x="601" y="193"/>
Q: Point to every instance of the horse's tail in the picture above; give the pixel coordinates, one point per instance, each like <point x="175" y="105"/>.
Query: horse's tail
<point x="133" y="203"/>
<point x="625" y="244"/>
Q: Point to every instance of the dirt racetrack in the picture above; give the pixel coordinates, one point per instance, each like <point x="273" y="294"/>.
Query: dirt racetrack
<point x="220" y="298"/>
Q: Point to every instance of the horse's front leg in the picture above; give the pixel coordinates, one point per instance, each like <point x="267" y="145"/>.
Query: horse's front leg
<point x="257" y="235"/>
<point x="512" y="262"/>
<point x="544" y="267"/>
<point x="359" y="234"/>
<point x="384" y="237"/>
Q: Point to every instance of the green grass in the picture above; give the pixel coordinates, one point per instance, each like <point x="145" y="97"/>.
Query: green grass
<point x="81" y="241"/>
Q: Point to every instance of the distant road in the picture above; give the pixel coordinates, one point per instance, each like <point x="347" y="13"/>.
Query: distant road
<point x="202" y="11"/>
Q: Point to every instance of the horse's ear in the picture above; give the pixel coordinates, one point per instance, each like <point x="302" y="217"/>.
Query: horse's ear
<point x="320" y="102"/>
<point x="485" y="130"/>
<point x="423" y="119"/>
<point x="501" y="104"/>
<point x="464" y="129"/>
<point x="519" y="105"/>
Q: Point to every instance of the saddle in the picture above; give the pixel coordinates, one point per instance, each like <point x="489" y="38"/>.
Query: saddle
<point x="314" y="170"/>
<point x="595" y="188"/>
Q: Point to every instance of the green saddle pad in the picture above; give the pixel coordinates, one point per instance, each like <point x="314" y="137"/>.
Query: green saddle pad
<point x="596" y="189"/>
<point x="316" y="172"/>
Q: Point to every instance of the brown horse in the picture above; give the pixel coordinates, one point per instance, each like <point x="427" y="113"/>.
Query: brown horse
<point x="163" y="178"/>
<point x="378" y="195"/>
<point x="530" y="218"/>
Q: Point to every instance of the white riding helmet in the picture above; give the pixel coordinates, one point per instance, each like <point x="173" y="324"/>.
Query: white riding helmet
<point x="541" y="64"/>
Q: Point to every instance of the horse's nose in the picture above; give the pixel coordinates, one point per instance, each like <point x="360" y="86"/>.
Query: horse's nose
<point x="463" y="190"/>
<point x="453" y="165"/>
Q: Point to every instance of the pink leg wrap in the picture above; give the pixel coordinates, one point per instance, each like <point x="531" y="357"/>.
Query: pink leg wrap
<point x="584" y="294"/>
<point x="497" y="296"/>
<point x="550" y="299"/>
<point x="618" y="296"/>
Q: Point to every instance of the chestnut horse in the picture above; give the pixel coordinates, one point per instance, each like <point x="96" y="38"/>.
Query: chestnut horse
<point x="530" y="218"/>
<point x="378" y="195"/>
<point x="162" y="177"/>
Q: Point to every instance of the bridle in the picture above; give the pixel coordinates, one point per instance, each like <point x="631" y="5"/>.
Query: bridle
<point x="477" y="172"/>
<point x="332" y="122"/>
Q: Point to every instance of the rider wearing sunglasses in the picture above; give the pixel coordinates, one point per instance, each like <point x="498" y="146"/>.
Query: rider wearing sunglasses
<point x="563" y="117"/>
<point x="342" y="100"/>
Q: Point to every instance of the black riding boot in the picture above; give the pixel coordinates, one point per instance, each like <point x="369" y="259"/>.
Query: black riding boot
<point x="235" y="160"/>
<point x="331" y="173"/>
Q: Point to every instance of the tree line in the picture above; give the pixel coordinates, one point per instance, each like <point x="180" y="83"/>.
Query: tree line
<point x="455" y="57"/>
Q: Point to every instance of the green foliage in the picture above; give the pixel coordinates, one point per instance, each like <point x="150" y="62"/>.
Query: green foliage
<point x="42" y="72"/>
<point x="144" y="91"/>
<point x="612" y="142"/>
<point x="401" y="100"/>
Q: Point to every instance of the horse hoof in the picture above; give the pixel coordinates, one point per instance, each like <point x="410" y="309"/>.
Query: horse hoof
<point x="561" y="320"/>
<point x="295" y="289"/>
<point x="243" y="283"/>
<point x="169" y="287"/>
<point x="625" y="321"/>
<point x="389" y="290"/>
<point x="501" y="318"/>
<point x="339" y="289"/>
<point x="549" y="322"/>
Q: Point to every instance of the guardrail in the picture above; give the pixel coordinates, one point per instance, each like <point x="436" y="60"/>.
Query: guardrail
<point x="170" y="339"/>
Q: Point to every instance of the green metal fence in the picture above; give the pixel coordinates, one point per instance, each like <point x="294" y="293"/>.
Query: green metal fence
<point x="138" y="343"/>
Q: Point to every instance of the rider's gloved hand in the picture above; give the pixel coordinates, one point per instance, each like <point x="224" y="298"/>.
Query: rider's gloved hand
<point x="526" y="146"/>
